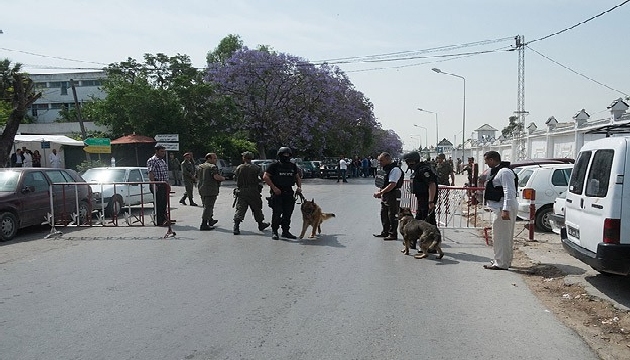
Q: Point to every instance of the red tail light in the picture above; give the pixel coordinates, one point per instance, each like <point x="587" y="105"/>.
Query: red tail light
<point x="612" y="231"/>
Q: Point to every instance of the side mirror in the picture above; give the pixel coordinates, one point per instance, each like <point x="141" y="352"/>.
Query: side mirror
<point x="28" y="189"/>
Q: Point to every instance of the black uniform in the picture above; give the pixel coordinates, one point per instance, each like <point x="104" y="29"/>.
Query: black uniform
<point x="423" y="175"/>
<point x="283" y="177"/>
<point x="390" y="201"/>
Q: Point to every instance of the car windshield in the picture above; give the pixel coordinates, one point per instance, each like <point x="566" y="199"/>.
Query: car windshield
<point x="104" y="175"/>
<point x="8" y="180"/>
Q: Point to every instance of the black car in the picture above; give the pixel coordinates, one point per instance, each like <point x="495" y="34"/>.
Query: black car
<point x="329" y="168"/>
<point x="25" y="198"/>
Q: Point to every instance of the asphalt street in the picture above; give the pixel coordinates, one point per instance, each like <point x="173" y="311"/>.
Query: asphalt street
<point x="129" y="293"/>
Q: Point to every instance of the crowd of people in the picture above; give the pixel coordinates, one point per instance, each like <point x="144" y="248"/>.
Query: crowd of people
<point x="26" y="158"/>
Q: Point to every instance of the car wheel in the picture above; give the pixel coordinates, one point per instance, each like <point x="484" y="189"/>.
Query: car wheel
<point x="542" y="219"/>
<point x="8" y="226"/>
<point x="84" y="212"/>
<point x="114" y="206"/>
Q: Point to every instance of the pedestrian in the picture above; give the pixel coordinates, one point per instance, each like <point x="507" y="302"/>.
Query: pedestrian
<point x="444" y="171"/>
<point x="281" y="176"/>
<point x="37" y="159"/>
<point x="158" y="171"/>
<point x="209" y="181"/>
<point x="373" y="166"/>
<point x="17" y="158"/>
<point x="365" y="167"/>
<point x="389" y="179"/>
<point x="472" y="172"/>
<point x="459" y="165"/>
<point x="248" y="193"/>
<point x="500" y="195"/>
<point x="54" y="160"/>
<point x="343" y="169"/>
<point x="190" y="179"/>
<point x="28" y="158"/>
<point x="174" y="166"/>
<point x="423" y="186"/>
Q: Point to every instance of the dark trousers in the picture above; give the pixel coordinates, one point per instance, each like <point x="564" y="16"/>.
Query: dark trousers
<point x="423" y="210"/>
<point x="208" y="202"/>
<point x="282" y="208"/>
<point x="390" y="203"/>
<point x="161" y="198"/>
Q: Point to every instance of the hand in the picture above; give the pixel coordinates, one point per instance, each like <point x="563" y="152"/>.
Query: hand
<point x="377" y="195"/>
<point x="431" y="206"/>
<point x="299" y="190"/>
<point x="505" y="215"/>
<point x="276" y="190"/>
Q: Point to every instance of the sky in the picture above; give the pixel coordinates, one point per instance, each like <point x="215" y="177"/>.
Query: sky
<point x="387" y="49"/>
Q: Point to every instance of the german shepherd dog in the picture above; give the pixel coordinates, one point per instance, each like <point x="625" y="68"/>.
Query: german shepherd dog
<point x="426" y="234"/>
<point x="312" y="215"/>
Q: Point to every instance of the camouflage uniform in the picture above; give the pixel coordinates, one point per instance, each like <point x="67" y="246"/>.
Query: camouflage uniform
<point x="248" y="194"/>
<point x="190" y="179"/>
<point x="443" y="171"/>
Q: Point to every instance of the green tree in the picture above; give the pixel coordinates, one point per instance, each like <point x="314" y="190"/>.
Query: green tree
<point x="513" y="128"/>
<point x="16" y="95"/>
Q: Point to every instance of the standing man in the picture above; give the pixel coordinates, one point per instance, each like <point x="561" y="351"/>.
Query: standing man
<point x="248" y="193"/>
<point x="472" y="172"/>
<point x="444" y="171"/>
<point x="174" y="166"/>
<point x="281" y="176"/>
<point x="500" y="195"/>
<point x="423" y="186"/>
<point x="343" y="168"/>
<point x="209" y="182"/>
<point x="54" y="160"/>
<point x="190" y="179"/>
<point x="389" y="180"/>
<point x="373" y="166"/>
<point x="158" y="171"/>
<point x="17" y="158"/>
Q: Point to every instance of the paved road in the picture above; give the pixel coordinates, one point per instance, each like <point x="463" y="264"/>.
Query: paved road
<point x="125" y="293"/>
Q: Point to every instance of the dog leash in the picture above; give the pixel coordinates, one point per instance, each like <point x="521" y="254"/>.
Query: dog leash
<point x="299" y="197"/>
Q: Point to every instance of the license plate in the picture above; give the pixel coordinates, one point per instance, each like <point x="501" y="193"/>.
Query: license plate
<point x="573" y="232"/>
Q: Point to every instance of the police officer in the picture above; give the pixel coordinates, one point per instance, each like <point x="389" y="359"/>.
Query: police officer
<point x="423" y="185"/>
<point x="248" y="188"/>
<point x="388" y="179"/>
<point x="281" y="177"/>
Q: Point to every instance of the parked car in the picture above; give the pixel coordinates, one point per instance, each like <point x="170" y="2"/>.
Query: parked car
<point x="110" y="198"/>
<point x="549" y="181"/>
<point x="597" y="220"/>
<point x="307" y="168"/>
<point x="329" y="168"/>
<point x="225" y="169"/>
<point x="556" y="218"/>
<point x="25" y="198"/>
<point x="263" y="163"/>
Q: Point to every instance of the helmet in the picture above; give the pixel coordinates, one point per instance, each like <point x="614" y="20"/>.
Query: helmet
<point x="284" y="150"/>
<point x="412" y="156"/>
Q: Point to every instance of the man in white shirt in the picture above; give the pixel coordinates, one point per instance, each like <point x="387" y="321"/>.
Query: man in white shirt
<point x="343" y="168"/>
<point x="500" y="196"/>
<point x="54" y="159"/>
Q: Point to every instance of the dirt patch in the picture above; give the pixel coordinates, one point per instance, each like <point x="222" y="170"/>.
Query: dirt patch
<point x="605" y="328"/>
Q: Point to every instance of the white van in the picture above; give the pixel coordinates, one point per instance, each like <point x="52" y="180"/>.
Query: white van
<point x="597" y="209"/>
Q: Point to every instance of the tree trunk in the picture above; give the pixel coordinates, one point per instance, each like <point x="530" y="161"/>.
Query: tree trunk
<point x="23" y="97"/>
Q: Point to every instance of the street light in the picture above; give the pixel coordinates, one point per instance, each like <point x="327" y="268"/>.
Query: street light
<point x="426" y="143"/>
<point x="464" y="111"/>
<point x="437" y="137"/>
<point x="417" y="138"/>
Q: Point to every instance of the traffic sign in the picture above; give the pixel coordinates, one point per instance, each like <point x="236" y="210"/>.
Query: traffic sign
<point x="169" y="146"/>
<point x="97" y="142"/>
<point x="166" y="137"/>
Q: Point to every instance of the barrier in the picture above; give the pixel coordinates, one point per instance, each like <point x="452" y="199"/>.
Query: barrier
<point x="93" y="214"/>
<point x="457" y="207"/>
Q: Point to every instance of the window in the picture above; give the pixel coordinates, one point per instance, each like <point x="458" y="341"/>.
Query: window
<point x="134" y="176"/>
<point x="36" y="180"/>
<point x="90" y="83"/>
<point x="64" y="88"/>
<point x="560" y="176"/>
<point x="54" y="84"/>
<point x="524" y="177"/>
<point x="576" y="183"/>
<point x="599" y="175"/>
<point x="56" y="176"/>
<point x="40" y="85"/>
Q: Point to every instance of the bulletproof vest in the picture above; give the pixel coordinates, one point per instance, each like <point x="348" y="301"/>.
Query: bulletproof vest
<point x="422" y="176"/>
<point x="284" y="176"/>
<point x="382" y="177"/>
<point x="495" y="193"/>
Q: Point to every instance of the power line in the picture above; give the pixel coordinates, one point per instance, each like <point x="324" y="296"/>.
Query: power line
<point x="580" y="23"/>
<point x="576" y="72"/>
<point x="54" y="57"/>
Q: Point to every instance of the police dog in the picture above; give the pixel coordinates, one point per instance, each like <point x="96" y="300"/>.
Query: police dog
<point x="312" y="215"/>
<point x="426" y="234"/>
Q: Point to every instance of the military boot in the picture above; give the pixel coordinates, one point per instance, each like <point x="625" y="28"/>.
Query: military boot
<point x="237" y="230"/>
<point x="183" y="199"/>
<point x="263" y="225"/>
<point x="205" y="226"/>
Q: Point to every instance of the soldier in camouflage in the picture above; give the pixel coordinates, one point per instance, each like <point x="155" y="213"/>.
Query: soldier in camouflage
<point x="248" y="193"/>
<point x="444" y="171"/>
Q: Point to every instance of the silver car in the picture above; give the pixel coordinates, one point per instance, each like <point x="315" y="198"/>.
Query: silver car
<point x="110" y="192"/>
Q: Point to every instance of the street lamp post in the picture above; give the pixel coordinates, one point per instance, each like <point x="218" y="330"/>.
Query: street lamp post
<point x="437" y="136"/>
<point x="464" y="110"/>
<point x="426" y="137"/>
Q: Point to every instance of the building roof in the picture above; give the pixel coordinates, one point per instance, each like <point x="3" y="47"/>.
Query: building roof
<point x="486" y="127"/>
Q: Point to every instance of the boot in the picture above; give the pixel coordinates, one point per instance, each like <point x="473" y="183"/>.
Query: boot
<point x="192" y="203"/>
<point x="288" y="235"/>
<point x="274" y="234"/>
<point x="183" y="199"/>
<point x="237" y="230"/>
<point x="205" y="226"/>
<point x="262" y="225"/>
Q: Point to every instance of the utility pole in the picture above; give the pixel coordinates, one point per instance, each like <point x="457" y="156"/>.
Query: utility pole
<point x="520" y="98"/>
<point x="77" y="106"/>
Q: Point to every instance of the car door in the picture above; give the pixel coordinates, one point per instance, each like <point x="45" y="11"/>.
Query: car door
<point x="35" y="198"/>
<point x="135" y="190"/>
<point x="64" y="194"/>
<point x="147" y="195"/>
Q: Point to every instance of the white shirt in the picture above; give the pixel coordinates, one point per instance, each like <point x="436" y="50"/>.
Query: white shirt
<point x="55" y="160"/>
<point x="394" y="175"/>
<point x="504" y="178"/>
<point x="28" y="160"/>
<point x="343" y="165"/>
